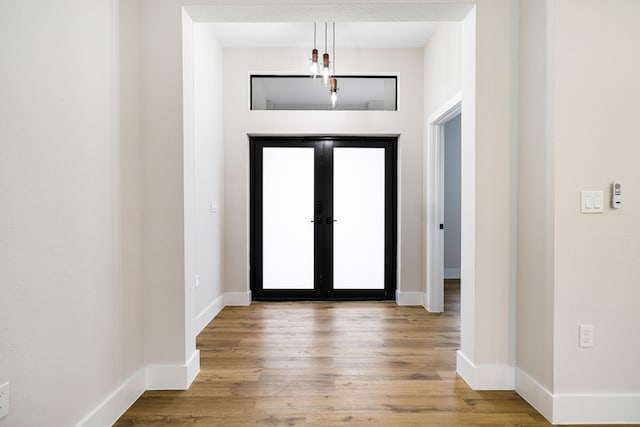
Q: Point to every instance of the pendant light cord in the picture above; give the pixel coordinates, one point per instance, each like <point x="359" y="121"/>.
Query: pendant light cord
<point x="334" y="49"/>
<point x="314" y="34"/>
<point x="325" y="37"/>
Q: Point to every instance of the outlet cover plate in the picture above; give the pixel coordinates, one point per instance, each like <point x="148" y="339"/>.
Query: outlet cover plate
<point x="586" y="335"/>
<point x="4" y="400"/>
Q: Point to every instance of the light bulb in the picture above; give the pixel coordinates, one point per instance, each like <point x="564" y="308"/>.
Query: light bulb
<point x="325" y="69"/>
<point x="314" y="63"/>
<point x="334" y="92"/>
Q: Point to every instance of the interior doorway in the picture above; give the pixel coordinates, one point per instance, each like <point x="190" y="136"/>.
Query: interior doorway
<point x="439" y="226"/>
<point x="452" y="192"/>
<point x="323" y="218"/>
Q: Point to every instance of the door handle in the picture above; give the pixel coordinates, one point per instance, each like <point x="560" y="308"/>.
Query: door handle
<point x="318" y="220"/>
<point x="330" y="221"/>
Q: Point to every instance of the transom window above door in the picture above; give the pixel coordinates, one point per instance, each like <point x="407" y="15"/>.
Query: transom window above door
<point x="357" y="93"/>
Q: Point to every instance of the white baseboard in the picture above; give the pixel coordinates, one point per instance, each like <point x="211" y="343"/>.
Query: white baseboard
<point x="173" y="377"/>
<point x="160" y="377"/>
<point x="451" y="273"/>
<point x="410" y="298"/>
<point x="237" y="298"/>
<point x="487" y="376"/>
<point x="209" y="313"/>
<point x="579" y="408"/>
<point x="111" y="408"/>
<point x="534" y="393"/>
<point x="433" y="306"/>
<point x="464" y="368"/>
<point x="596" y="409"/>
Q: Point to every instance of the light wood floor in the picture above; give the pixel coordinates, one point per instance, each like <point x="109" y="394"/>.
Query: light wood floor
<point x="329" y="364"/>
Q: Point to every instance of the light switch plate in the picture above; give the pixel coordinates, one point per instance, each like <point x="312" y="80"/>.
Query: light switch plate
<point x="591" y="202"/>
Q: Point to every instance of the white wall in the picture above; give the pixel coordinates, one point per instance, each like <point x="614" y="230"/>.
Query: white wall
<point x="163" y="251"/>
<point x="130" y="175"/>
<point x="486" y="80"/>
<point x="208" y="166"/>
<point x="70" y="308"/>
<point x="443" y="55"/>
<point x="169" y="297"/>
<point x="574" y="268"/>
<point x="442" y="66"/>
<point x="489" y="109"/>
<point x="452" y="189"/>
<point x="535" y="206"/>
<point x="596" y="256"/>
<point x="240" y="121"/>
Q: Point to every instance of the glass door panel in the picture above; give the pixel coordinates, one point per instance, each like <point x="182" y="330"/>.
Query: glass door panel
<point x="323" y="218"/>
<point x="287" y="211"/>
<point x="359" y="218"/>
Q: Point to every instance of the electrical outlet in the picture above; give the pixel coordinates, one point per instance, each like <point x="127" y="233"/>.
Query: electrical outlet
<point x="586" y="335"/>
<point x="4" y="400"/>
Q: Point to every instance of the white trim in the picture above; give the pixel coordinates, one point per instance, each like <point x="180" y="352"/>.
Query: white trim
<point x="237" y="298"/>
<point x="485" y="377"/>
<point x="494" y="377"/>
<point x="447" y="110"/>
<point x="451" y="273"/>
<point x="534" y="393"/>
<point x="111" y="408"/>
<point x="434" y="198"/>
<point x="173" y="377"/>
<point x="464" y="368"/>
<point x="409" y="298"/>
<point x="435" y="217"/>
<point x="209" y="313"/>
<point x="578" y="408"/>
<point x="193" y="368"/>
<point x="596" y="409"/>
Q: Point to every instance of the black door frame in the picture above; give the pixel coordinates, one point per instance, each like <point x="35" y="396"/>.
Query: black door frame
<point x="323" y="229"/>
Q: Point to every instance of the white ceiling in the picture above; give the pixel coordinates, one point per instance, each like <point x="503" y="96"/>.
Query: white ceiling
<point x="362" y="35"/>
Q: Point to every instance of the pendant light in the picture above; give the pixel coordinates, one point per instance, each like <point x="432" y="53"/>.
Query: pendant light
<point x="334" y="81"/>
<point x="314" y="55"/>
<point x="325" y="60"/>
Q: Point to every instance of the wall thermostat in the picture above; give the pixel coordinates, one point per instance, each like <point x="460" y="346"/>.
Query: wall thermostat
<point x="616" y="194"/>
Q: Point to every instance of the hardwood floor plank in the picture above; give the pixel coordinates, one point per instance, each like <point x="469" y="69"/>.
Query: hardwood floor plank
<point x="331" y="364"/>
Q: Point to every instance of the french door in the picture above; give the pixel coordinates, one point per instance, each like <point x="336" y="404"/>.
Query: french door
<point x="323" y="218"/>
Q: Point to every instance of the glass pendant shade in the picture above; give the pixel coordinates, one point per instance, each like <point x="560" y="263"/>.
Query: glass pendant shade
<point x="334" y="92"/>
<point x="325" y="69"/>
<point x="314" y="63"/>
